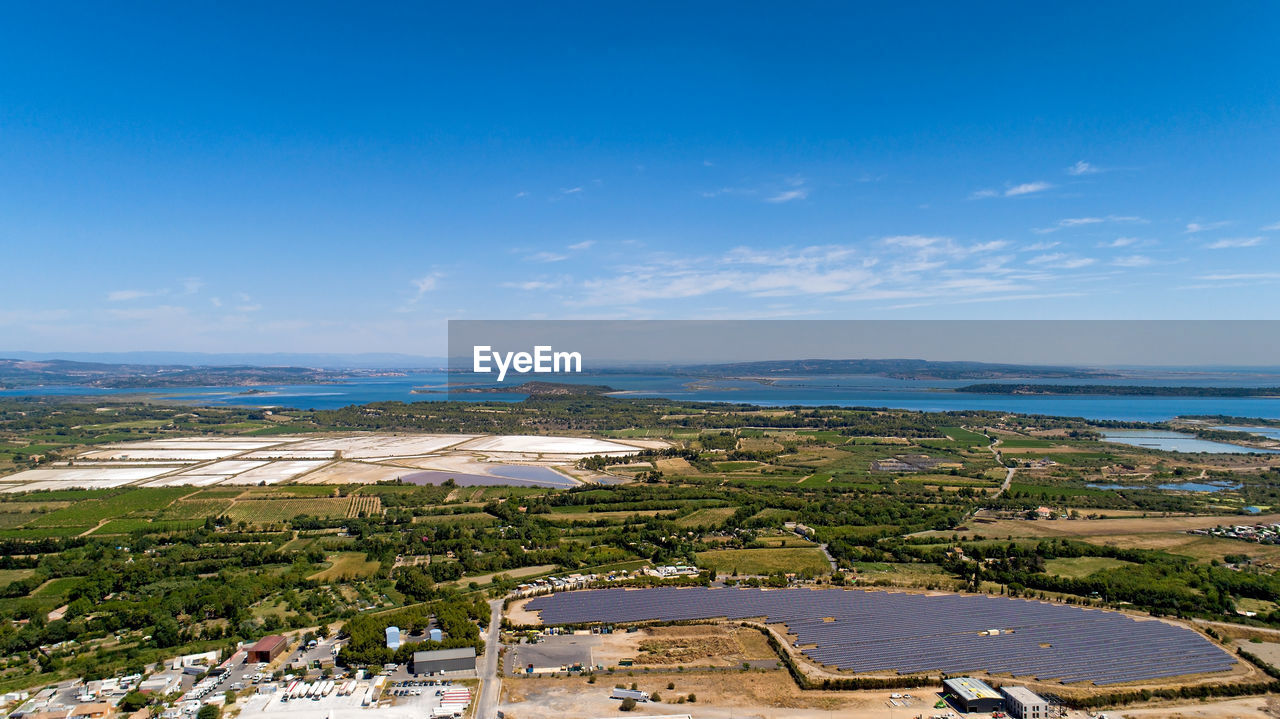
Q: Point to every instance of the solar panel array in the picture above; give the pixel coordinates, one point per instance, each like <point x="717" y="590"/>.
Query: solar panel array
<point x="864" y="631"/>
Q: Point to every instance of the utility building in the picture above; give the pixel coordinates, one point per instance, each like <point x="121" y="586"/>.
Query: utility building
<point x="1022" y="703"/>
<point x="973" y="695"/>
<point x="268" y="648"/>
<point x="444" y="660"/>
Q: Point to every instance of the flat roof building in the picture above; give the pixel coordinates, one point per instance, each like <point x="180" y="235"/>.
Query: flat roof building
<point x="1022" y="703"/>
<point x="444" y="660"/>
<point x="268" y="648"/>
<point x="973" y="695"/>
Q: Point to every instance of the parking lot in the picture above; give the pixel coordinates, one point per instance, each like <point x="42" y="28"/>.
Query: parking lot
<point x="397" y="702"/>
<point x="553" y="652"/>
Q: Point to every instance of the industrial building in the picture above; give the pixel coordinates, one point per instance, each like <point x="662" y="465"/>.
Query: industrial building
<point x="973" y="695"/>
<point x="444" y="660"/>
<point x="1022" y="703"/>
<point x="268" y="648"/>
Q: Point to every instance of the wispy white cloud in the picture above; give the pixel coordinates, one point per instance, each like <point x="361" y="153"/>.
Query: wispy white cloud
<point x="1026" y="188"/>
<point x="1239" y="276"/>
<point x="1234" y="242"/>
<point x="1083" y="168"/>
<point x="547" y="257"/>
<point x="1132" y="261"/>
<point x="1070" y="222"/>
<point x="1273" y="227"/>
<point x="1061" y="260"/>
<point x="1195" y="227"/>
<point x="1123" y="242"/>
<point x="584" y="245"/>
<point x="426" y="283"/>
<point x="570" y="190"/>
<point x="798" y="193"/>
<point x="532" y="285"/>
<point x="127" y="295"/>
<point x="1041" y="246"/>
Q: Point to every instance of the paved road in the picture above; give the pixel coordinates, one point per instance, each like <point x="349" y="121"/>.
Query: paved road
<point x="490" y="682"/>
<point x="1008" y="476"/>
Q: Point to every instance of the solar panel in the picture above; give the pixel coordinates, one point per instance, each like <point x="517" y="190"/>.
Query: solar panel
<point x="865" y="631"/>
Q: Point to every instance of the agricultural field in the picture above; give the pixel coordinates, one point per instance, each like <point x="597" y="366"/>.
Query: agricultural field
<point x="764" y="561"/>
<point x="346" y="565"/>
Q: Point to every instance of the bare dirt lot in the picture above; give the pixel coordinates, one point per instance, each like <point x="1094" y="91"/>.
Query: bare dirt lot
<point x="701" y="645"/>
<point x="762" y="694"/>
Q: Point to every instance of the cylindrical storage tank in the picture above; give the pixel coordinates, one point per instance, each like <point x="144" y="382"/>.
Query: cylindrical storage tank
<point x="436" y="635"/>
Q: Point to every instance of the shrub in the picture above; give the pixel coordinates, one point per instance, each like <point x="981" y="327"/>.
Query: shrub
<point x="627" y="704"/>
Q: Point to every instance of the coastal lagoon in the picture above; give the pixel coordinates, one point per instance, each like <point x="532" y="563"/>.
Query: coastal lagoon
<point x="845" y="391"/>
<point x="1176" y="442"/>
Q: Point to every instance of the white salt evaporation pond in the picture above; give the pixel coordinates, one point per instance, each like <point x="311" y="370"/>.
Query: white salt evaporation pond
<point x="333" y="458"/>
<point x="1176" y="442"/>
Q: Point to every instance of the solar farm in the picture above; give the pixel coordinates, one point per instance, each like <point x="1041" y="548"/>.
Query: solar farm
<point x="864" y="631"/>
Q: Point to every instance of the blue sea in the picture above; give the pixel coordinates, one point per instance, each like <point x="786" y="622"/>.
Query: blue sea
<point x="848" y="391"/>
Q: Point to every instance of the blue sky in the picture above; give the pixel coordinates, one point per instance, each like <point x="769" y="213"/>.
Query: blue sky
<point x="346" y="177"/>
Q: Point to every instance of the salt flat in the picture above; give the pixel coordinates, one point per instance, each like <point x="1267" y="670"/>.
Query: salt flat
<point x="336" y="458"/>
<point x="584" y="446"/>
<point x="276" y="472"/>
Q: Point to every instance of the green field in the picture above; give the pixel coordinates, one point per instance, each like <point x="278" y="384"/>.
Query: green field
<point x="347" y="564"/>
<point x="711" y="517"/>
<point x="267" y="511"/>
<point x="1079" y="567"/>
<point x="764" y="561"/>
<point x="960" y="434"/>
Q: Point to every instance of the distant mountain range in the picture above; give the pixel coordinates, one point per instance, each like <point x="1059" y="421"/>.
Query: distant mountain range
<point x="896" y="368"/>
<point x="369" y="360"/>
<point x="19" y="373"/>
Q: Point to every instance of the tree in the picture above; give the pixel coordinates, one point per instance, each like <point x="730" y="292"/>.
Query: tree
<point x="628" y="704"/>
<point x="166" y="633"/>
<point x="133" y="701"/>
<point x="208" y="711"/>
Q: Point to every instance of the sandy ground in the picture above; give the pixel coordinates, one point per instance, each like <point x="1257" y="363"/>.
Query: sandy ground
<point x="227" y="467"/>
<point x="584" y="446"/>
<point x="292" y="454"/>
<point x="83" y="477"/>
<point x="276" y="472"/>
<point x="721" y="695"/>
<point x="353" y="473"/>
<point x="1254" y="708"/>
<point x="187" y="480"/>
<point x="160" y="455"/>
<point x="698" y="645"/>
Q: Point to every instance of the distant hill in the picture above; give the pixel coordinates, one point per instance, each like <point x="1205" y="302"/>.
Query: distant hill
<point x="896" y="368"/>
<point x="1121" y="390"/>
<point x="19" y="373"/>
<point x="327" y="360"/>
